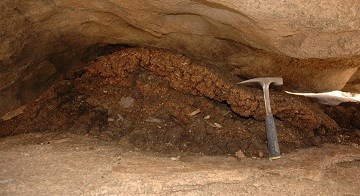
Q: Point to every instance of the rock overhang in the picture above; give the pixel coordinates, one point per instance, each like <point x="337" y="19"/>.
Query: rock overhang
<point x="314" y="46"/>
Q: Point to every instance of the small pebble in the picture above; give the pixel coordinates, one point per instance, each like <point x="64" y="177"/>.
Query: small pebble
<point x="218" y="125"/>
<point x="206" y="117"/>
<point x="111" y="120"/>
<point x="175" y="158"/>
<point x="197" y="111"/>
<point x="127" y="102"/>
<point x="261" y="154"/>
<point x="240" y="154"/>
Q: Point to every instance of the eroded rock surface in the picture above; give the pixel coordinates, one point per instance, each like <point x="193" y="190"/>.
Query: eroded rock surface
<point x="68" y="164"/>
<point x="314" y="46"/>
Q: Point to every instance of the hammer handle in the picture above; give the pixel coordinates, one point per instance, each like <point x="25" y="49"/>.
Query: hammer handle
<point x="273" y="145"/>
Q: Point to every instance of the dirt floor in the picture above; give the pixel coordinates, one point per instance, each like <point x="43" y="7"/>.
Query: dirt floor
<point x="146" y="120"/>
<point x="69" y="164"/>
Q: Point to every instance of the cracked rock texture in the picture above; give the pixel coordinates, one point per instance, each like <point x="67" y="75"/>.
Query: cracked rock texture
<point x="313" y="45"/>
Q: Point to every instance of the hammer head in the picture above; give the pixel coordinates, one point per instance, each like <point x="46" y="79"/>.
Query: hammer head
<point x="265" y="82"/>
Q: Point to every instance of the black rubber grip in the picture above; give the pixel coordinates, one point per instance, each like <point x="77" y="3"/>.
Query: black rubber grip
<point x="273" y="144"/>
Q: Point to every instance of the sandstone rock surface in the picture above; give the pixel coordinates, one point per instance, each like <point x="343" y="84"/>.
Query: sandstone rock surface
<point x="314" y="46"/>
<point x="68" y="164"/>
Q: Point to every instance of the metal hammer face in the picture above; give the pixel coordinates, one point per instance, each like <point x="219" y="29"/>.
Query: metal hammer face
<point x="273" y="145"/>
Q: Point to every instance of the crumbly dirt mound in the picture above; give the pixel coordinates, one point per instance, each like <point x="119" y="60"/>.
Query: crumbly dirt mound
<point x="347" y="115"/>
<point x="162" y="101"/>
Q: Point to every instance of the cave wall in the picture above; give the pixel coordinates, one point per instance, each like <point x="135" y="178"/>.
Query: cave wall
<point x="313" y="45"/>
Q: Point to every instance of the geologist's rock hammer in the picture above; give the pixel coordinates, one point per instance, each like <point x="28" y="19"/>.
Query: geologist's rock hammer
<point x="272" y="141"/>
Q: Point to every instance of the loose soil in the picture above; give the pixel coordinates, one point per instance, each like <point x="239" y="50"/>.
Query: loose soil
<point x="164" y="102"/>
